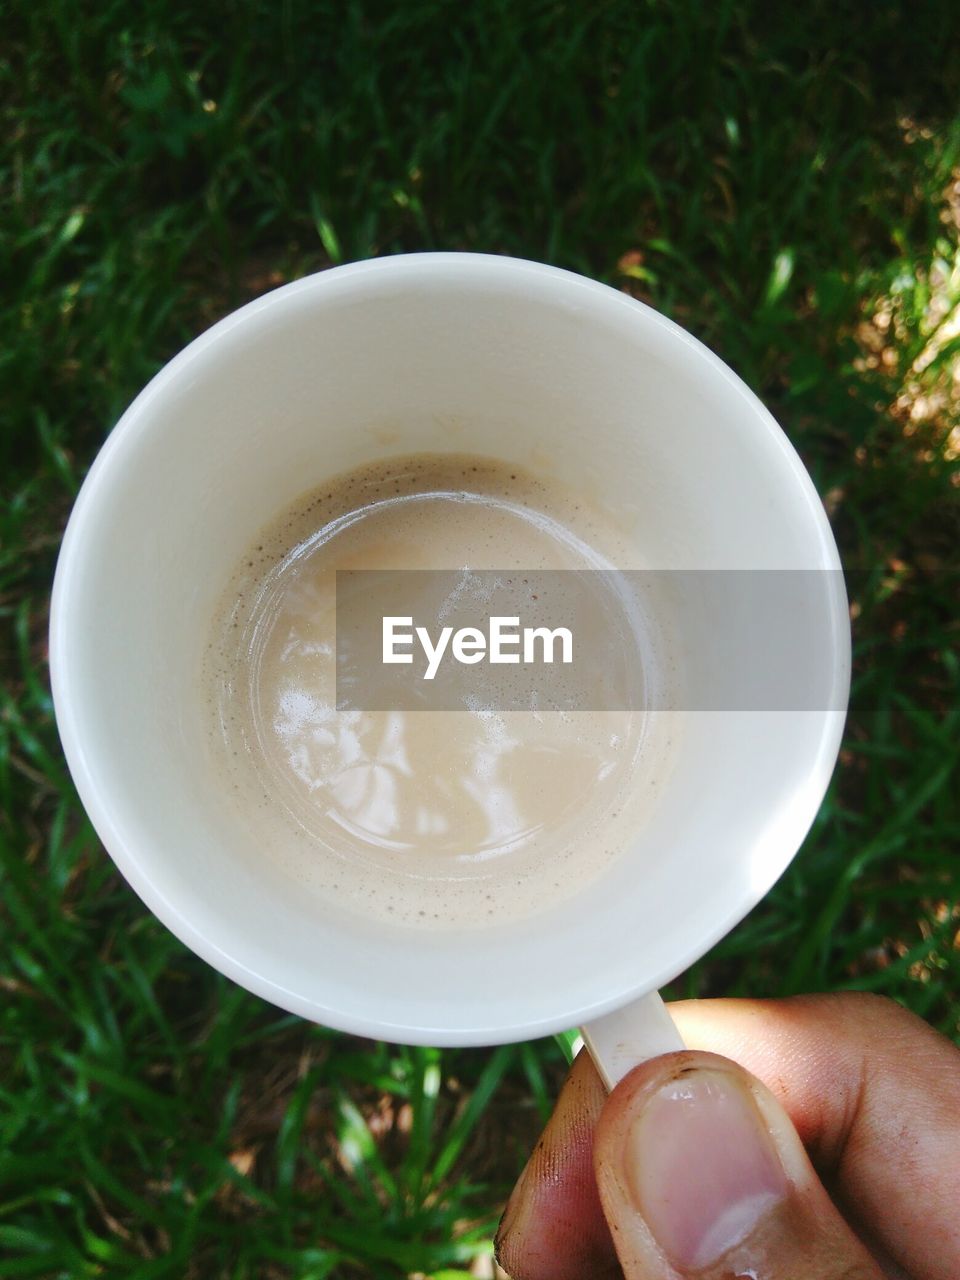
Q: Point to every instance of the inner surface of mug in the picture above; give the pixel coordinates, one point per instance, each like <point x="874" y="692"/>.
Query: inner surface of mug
<point x="437" y="353"/>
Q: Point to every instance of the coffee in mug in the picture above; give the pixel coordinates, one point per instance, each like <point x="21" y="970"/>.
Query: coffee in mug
<point x="435" y="818"/>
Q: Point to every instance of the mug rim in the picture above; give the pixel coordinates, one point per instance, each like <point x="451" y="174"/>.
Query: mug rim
<point x="101" y="475"/>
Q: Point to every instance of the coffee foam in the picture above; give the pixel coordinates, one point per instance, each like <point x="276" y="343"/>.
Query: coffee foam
<point x="427" y="818"/>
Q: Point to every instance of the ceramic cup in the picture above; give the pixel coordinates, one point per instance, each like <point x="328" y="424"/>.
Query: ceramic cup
<point x="437" y="352"/>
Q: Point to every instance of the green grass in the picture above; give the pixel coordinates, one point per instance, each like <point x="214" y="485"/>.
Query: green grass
<point x="784" y="182"/>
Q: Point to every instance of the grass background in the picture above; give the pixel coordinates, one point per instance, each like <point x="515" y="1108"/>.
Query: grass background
<point x="784" y="181"/>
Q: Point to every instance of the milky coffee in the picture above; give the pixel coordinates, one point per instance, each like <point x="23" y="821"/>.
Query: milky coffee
<point x="434" y="819"/>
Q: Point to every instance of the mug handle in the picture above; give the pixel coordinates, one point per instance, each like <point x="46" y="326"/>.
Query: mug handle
<point x="621" y="1040"/>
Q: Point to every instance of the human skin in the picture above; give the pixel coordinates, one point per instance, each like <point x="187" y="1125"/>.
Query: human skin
<point x="815" y="1138"/>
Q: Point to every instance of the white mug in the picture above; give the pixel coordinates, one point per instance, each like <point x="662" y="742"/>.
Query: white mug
<point x="426" y="353"/>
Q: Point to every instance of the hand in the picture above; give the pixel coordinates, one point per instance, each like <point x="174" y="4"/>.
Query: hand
<point x="694" y="1168"/>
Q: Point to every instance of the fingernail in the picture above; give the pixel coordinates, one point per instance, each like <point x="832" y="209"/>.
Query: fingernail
<point x="701" y="1167"/>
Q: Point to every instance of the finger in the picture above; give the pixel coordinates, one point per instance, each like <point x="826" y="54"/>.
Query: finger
<point x="875" y="1095"/>
<point x="873" y="1091"/>
<point x="553" y="1227"/>
<point x="701" y="1173"/>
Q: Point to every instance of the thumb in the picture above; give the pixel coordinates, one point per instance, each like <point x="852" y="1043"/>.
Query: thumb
<point x="701" y="1173"/>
